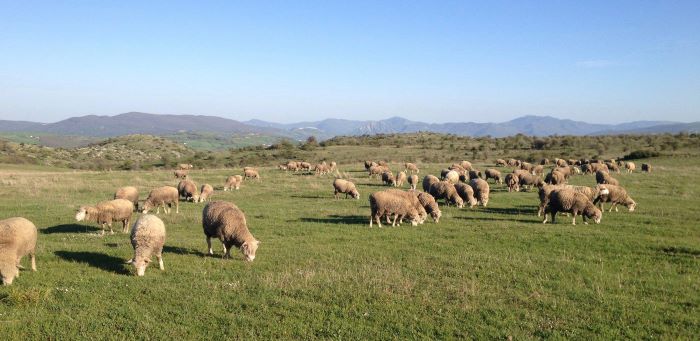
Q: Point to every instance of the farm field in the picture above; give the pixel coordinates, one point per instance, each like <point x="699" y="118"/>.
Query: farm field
<point x="321" y="272"/>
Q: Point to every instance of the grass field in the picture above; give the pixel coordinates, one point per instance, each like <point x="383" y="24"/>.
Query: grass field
<point x="320" y="272"/>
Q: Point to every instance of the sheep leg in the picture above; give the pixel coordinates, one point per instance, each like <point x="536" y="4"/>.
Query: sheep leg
<point x="110" y="228"/>
<point x="160" y="261"/>
<point x="32" y="257"/>
<point x="158" y="209"/>
<point x="103" y="229"/>
<point x="379" y="222"/>
<point x="554" y="216"/>
<point x="612" y="206"/>
<point x="370" y="220"/>
<point x="394" y="222"/>
<point x="177" y="207"/>
<point x="211" y="252"/>
<point x="573" y="220"/>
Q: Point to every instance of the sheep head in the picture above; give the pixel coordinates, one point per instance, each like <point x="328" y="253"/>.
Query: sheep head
<point x="8" y="271"/>
<point x="249" y="248"/>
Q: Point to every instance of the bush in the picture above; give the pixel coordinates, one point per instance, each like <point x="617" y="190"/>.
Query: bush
<point x="641" y="154"/>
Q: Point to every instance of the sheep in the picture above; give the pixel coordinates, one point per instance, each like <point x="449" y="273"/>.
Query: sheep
<point x="555" y="177"/>
<point x="444" y="172"/>
<point x="251" y="174"/>
<point x="560" y="162"/>
<point x="513" y="163"/>
<point x="452" y="176"/>
<point x="206" y="192"/>
<point x="615" y="195"/>
<point x="428" y="180"/>
<point x="333" y="166"/>
<point x="475" y="174"/>
<point x="345" y="186"/>
<point x="227" y="222"/>
<point x="501" y="163"/>
<point x="181" y="174"/>
<point x="481" y="191"/>
<point x="147" y="239"/>
<point x="413" y="181"/>
<point x="598" y="167"/>
<point x="527" y="181"/>
<point x="544" y="162"/>
<point x="586" y="168"/>
<point x="292" y="166"/>
<point x="162" y="196"/>
<point x="130" y="193"/>
<point x="185" y="166"/>
<point x="304" y="166"/>
<point x="400" y="179"/>
<point x="568" y="200"/>
<point x="605" y="178"/>
<point x="466" y="192"/>
<point x="411" y="167"/>
<point x="322" y="169"/>
<point x="546" y="190"/>
<point x="430" y="205"/>
<point x="466" y="165"/>
<point x="447" y="191"/>
<point x="491" y="173"/>
<point x="612" y="166"/>
<point x="388" y="179"/>
<point x="571" y="162"/>
<point x="538" y="170"/>
<point x="17" y="239"/>
<point x="369" y="164"/>
<point x="513" y="182"/>
<point x="526" y="166"/>
<point x="377" y="170"/>
<point x="188" y="190"/>
<point x="646" y="167"/>
<point x="566" y="171"/>
<point x="233" y="182"/>
<point x="385" y="203"/>
<point x="630" y="167"/>
<point x="412" y="198"/>
<point x="107" y="212"/>
<point x="383" y="163"/>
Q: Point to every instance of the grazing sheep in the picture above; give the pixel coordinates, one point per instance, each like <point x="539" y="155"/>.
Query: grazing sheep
<point x="571" y="162"/>
<point x="227" y="222"/>
<point x="377" y="170"/>
<point x="292" y="166"/>
<point x="568" y="200"/>
<point x="612" y="166"/>
<point x="188" y="190"/>
<point x="452" y="176"/>
<point x="206" y="192"/>
<point x="444" y="172"/>
<point x="162" y="196"/>
<point x="428" y="180"/>
<point x="185" y="166"/>
<point x="322" y="169"/>
<point x="475" y="174"/>
<point x="411" y="167"/>
<point x="411" y="197"/>
<point x="400" y="179"/>
<point x="526" y="166"/>
<point x="538" y="170"/>
<point x="333" y="166"/>
<point x="251" y="174"/>
<point x="147" y="239"/>
<point x="17" y="239"/>
<point x="385" y="203"/>
<point x="595" y="167"/>
<point x="555" y="177"/>
<point x="501" y="163"/>
<point x="560" y="162"/>
<point x="544" y="162"/>
<point x="430" y="205"/>
<point x="491" y="173"/>
<point x="605" y="178"/>
<point x="130" y="193"/>
<point x="586" y="168"/>
<point x="369" y="164"/>
<point x="646" y="167"/>
<point x="345" y="186"/>
<point x="615" y="195"/>
<point x="528" y="181"/>
<point x="513" y="182"/>
<point x="388" y="179"/>
<point x="233" y="182"/>
<point x="481" y="191"/>
<point x="383" y="163"/>
<point x="413" y="181"/>
<point x="566" y="171"/>
<point x="447" y="191"/>
<point x="107" y="212"/>
<point x="630" y="167"/>
<point x="546" y="190"/>
<point x="513" y="163"/>
<point x="466" y="165"/>
<point x="466" y="192"/>
<point x="304" y="166"/>
<point x="181" y="174"/>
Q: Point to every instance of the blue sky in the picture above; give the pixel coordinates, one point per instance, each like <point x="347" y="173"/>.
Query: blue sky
<point x="607" y="61"/>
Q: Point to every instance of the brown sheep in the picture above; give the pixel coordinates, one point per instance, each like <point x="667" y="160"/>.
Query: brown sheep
<point x="513" y="182"/>
<point x="225" y="221"/>
<point x="567" y="200"/>
<point x="413" y="181"/>
<point x="447" y="191"/>
<point x="428" y="180"/>
<point x="251" y="174"/>
<point x="162" y="196"/>
<point x="386" y="204"/>
<point x="466" y="192"/>
<point x="107" y="212"/>
<point x="233" y="182"/>
<point x="205" y="192"/>
<point x="345" y="186"/>
<point x="481" y="191"/>
<point x="630" y="167"/>
<point x="388" y="179"/>
<point x="188" y="190"/>
<point x="615" y="195"/>
<point x="400" y="179"/>
<point x="17" y="239"/>
<point x="181" y="174"/>
<point x="411" y="167"/>
<point x="430" y="205"/>
<point x="130" y="193"/>
<point x="605" y="178"/>
<point x="501" y="163"/>
<point x="491" y="173"/>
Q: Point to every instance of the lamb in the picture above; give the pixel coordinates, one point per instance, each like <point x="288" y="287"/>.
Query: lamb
<point x="130" y="193"/>
<point x="345" y="186"/>
<point x="646" y="167"/>
<point x="527" y="181"/>
<point x="185" y="166"/>
<point x="251" y="174"/>
<point x="233" y="182"/>
<point x="188" y="190"/>
<point x="630" y="167"/>
<point x="17" y="239"/>
<point x="162" y="196"/>
<point x="501" y="163"/>
<point x="481" y="191"/>
<point x="147" y="239"/>
<point x="413" y="181"/>
<point x="430" y="205"/>
<point x="227" y="222"/>
<point x="384" y="203"/>
<point x="428" y="180"/>
<point x="605" y="178"/>
<point x="107" y="212"/>
<point x="615" y="195"/>
<point x="513" y="182"/>
<point x="447" y="191"/>
<point x="491" y="173"/>
<point x="206" y="192"/>
<point x="452" y="176"/>
<point x="466" y="192"/>
<point x="181" y="174"/>
<point x="400" y="179"/>
<point x="411" y="167"/>
<point x="388" y="179"/>
<point x="568" y="200"/>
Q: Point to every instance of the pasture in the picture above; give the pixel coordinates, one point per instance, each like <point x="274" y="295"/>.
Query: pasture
<point x="321" y="272"/>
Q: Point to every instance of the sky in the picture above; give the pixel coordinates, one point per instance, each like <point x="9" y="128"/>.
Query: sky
<point x="287" y="61"/>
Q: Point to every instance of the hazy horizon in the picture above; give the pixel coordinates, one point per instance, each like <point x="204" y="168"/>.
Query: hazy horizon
<point x="597" y="62"/>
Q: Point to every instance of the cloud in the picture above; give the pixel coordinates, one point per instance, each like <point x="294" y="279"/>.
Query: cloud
<point x="595" y="63"/>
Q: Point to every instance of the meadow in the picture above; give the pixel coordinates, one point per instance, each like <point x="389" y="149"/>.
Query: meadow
<point x="322" y="273"/>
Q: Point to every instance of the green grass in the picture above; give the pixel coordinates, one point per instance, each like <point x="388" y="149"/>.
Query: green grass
<point x="320" y="272"/>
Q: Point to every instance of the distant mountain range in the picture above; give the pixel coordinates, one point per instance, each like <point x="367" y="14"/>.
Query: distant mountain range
<point x="142" y="123"/>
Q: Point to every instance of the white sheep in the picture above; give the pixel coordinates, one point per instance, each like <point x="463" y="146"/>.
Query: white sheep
<point x="345" y="186"/>
<point x="568" y="200"/>
<point x="107" y="212"/>
<point x="205" y="192"/>
<point x="227" y="222"/>
<point x="17" y="239"/>
<point x="130" y="193"/>
<point x="147" y="239"/>
<point x="164" y="196"/>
